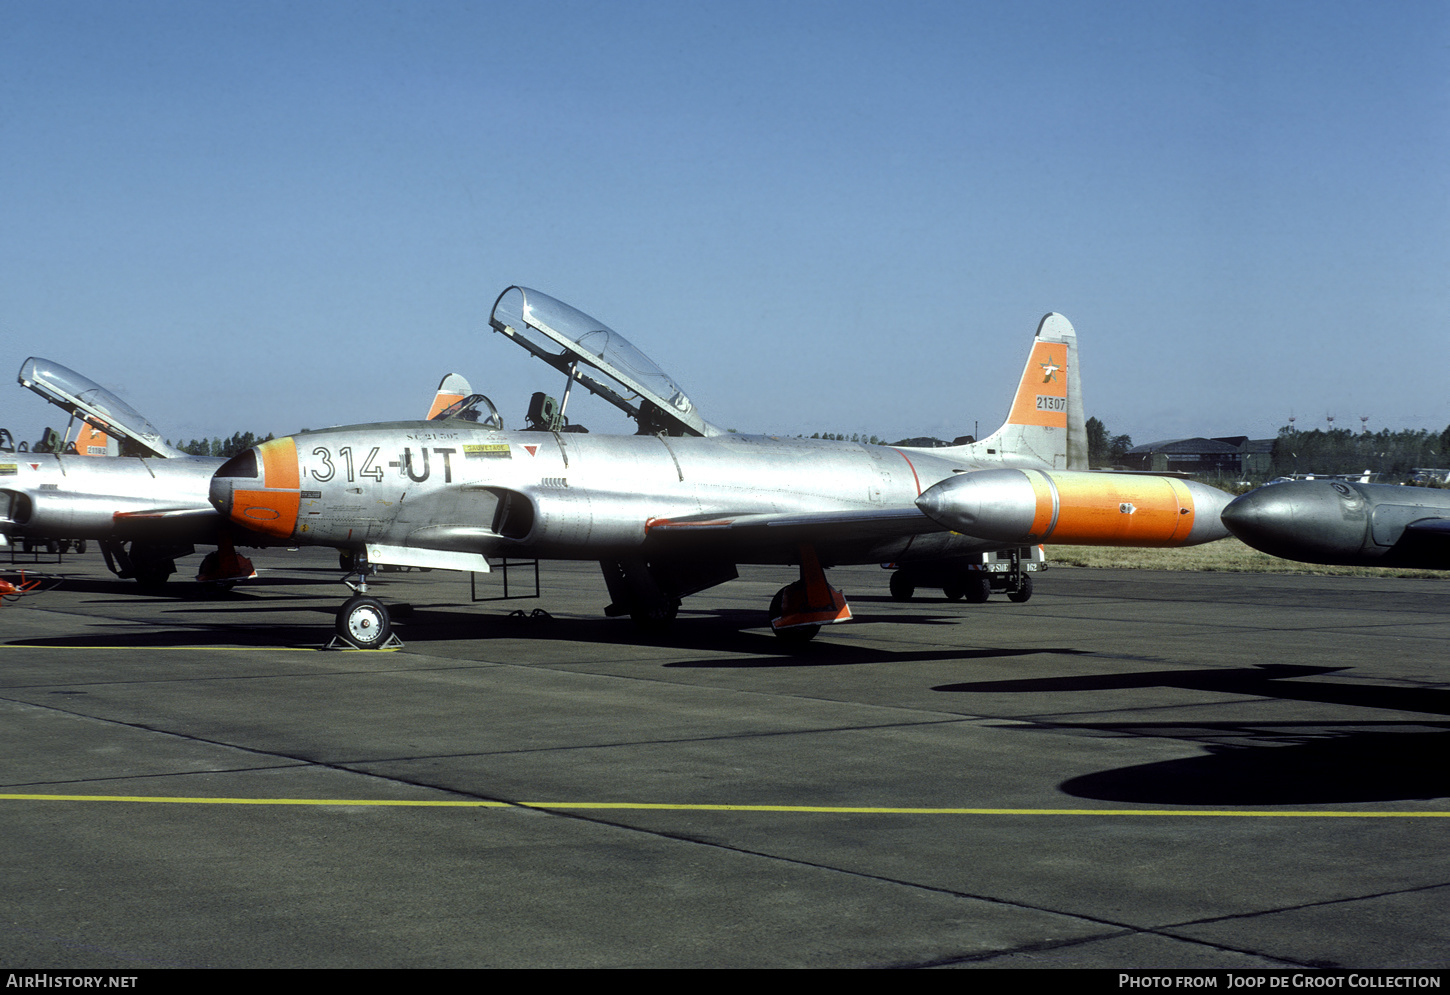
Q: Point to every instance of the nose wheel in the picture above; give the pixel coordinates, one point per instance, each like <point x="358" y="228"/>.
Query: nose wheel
<point x="363" y="623"/>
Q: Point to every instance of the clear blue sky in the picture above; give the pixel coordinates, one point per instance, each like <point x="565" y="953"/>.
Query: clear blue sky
<point x="816" y="216"/>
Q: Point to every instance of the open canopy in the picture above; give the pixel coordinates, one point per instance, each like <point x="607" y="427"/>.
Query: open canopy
<point x="544" y="326"/>
<point x="83" y="398"/>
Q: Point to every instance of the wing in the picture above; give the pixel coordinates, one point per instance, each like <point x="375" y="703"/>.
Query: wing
<point x="192" y="524"/>
<point x="849" y="529"/>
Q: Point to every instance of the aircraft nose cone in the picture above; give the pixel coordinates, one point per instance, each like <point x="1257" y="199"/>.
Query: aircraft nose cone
<point x="1299" y="520"/>
<point x="1259" y="513"/>
<point x="220" y="495"/>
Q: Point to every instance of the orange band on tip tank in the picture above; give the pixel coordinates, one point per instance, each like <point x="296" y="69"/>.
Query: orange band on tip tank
<point x="1046" y="511"/>
<point x="1121" y="510"/>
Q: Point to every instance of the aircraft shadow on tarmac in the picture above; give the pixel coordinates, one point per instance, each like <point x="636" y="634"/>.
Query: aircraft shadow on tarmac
<point x="1269" y="680"/>
<point x="1285" y="763"/>
<point x="129" y="592"/>
<point x="716" y="631"/>
<point x="1313" y="764"/>
<point x="223" y="636"/>
<point x="719" y="632"/>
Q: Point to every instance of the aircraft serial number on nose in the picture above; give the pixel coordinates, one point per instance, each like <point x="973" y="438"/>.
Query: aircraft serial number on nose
<point x="404" y="464"/>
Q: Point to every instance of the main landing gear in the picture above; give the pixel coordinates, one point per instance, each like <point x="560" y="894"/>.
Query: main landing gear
<point x="226" y="566"/>
<point x="972" y="578"/>
<point x="798" y="610"/>
<point x="363" y="622"/>
<point x="151" y="564"/>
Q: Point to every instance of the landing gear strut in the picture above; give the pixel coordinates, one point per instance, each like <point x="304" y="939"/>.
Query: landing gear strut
<point x="362" y="622"/>
<point x="798" y="610"/>
<point x="226" y="566"/>
<point x="150" y="564"/>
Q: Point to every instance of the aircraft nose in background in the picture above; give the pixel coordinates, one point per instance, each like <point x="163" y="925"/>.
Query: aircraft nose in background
<point x="1301" y="520"/>
<point x="241" y="470"/>
<point x="1258" y="513"/>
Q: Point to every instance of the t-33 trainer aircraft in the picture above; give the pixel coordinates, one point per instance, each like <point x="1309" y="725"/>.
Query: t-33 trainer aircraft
<point x="124" y="486"/>
<point x="144" y="500"/>
<point x="673" y="509"/>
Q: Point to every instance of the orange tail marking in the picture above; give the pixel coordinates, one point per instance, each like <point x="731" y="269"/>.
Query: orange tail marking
<point x="1042" y="395"/>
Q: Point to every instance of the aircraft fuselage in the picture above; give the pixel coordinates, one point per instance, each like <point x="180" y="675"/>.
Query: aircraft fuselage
<point x="1340" y="522"/>
<point x="68" y="496"/>
<point x="580" y="496"/>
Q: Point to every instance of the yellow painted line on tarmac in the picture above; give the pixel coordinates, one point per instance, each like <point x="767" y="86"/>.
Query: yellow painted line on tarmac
<point x="193" y="649"/>
<point x="690" y="807"/>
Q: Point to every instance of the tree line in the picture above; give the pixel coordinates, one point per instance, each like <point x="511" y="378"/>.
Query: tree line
<point x="238" y="443"/>
<point x="1104" y="448"/>
<point x="1391" y="454"/>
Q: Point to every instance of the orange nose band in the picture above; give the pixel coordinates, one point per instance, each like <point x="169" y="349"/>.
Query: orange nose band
<point x="272" y="511"/>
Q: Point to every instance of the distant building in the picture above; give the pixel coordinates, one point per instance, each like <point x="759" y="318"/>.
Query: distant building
<point x="1232" y="456"/>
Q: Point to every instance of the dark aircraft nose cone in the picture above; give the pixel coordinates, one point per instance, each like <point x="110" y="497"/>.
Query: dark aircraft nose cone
<point x="1266" y="512"/>
<point x="220" y="494"/>
<point x="1309" y="520"/>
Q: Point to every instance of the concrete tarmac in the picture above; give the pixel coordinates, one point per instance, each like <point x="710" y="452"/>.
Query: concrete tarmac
<point x="1133" y="769"/>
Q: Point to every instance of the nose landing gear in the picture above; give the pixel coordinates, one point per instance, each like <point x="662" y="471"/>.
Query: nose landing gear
<point x="363" y="622"/>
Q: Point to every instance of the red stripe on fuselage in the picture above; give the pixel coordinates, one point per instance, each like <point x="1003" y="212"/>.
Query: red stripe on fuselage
<point x="913" y="470"/>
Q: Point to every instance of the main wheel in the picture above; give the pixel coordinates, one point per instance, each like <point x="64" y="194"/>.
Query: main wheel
<point x="151" y="568"/>
<point x="1024" y="592"/>
<point x="796" y="635"/>
<point x="656" y="619"/>
<point x="978" y="587"/>
<point x="363" y="622"/>
<point x="902" y="589"/>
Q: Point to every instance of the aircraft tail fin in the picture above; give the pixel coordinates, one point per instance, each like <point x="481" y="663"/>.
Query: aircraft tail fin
<point x="451" y="389"/>
<point x="91" y="441"/>
<point x="1045" y="426"/>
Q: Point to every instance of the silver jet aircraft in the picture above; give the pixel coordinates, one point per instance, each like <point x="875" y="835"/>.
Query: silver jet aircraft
<point x="1346" y="523"/>
<point x="670" y="511"/>
<point x="147" y="506"/>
